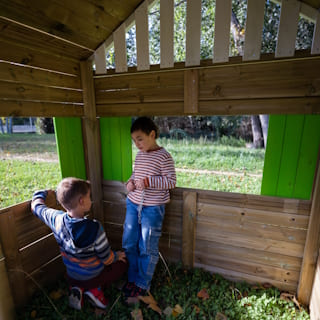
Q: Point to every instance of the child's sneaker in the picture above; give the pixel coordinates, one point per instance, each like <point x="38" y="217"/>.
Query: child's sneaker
<point x="76" y="298"/>
<point x="127" y="289"/>
<point x="96" y="298"/>
<point x="136" y="291"/>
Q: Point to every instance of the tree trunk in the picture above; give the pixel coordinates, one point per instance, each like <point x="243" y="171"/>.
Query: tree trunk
<point x="9" y="125"/>
<point x="264" y="120"/>
<point x="256" y="132"/>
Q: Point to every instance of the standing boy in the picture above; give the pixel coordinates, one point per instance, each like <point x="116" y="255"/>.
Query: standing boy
<point x="153" y="176"/>
<point x="84" y="247"/>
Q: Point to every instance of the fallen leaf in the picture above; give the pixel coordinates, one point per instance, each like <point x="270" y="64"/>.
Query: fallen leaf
<point x="33" y="313"/>
<point x="99" y="312"/>
<point x="151" y="302"/>
<point x="155" y="308"/>
<point x="267" y="285"/>
<point x="196" y="308"/>
<point x="220" y="316"/>
<point x="290" y="297"/>
<point x="56" y="294"/>
<point x="203" y="294"/>
<point x="136" y="314"/>
<point x="178" y="309"/>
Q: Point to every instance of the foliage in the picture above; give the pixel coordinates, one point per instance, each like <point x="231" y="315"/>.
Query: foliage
<point x="189" y="294"/>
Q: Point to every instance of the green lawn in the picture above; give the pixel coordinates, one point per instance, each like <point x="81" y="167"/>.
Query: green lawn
<point x="30" y="162"/>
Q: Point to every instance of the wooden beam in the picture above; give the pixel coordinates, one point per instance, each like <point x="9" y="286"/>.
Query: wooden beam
<point x="222" y="31"/>
<point x="288" y="27"/>
<point x="311" y="248"/>
<point x="253" y="34"/>
<point x="191" y="91"/>
<point x="193" y="32"/>
<point x="189" y="227"/>
<point x="120" y="49"/>
<point x="92" y="139"/>
<point x="315" y="49"/>
<point x="166" y="33"/>
<point x="142" y="36"/>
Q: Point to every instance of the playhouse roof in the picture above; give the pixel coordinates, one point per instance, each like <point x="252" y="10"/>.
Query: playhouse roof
<point x="74" y="28"/>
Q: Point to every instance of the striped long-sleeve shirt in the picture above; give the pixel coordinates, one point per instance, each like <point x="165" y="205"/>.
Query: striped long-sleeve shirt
<point x="83" y="243"/>
<point x="157" y="169"/>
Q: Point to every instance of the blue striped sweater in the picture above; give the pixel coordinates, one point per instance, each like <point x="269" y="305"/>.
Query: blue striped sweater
<point x="83" y="243"/>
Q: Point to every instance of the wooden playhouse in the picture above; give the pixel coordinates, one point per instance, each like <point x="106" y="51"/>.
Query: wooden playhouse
<point x="47" y="53"/>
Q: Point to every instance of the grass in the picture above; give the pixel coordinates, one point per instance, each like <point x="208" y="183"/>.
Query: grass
<point x="30" y="162"/>
<point x="190" y="294"/>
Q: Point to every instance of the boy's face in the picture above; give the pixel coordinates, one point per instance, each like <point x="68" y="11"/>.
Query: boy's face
<point x="144" y="142"/>
<point x="86" y="202"/>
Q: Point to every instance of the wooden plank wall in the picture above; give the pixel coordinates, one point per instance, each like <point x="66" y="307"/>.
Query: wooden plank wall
<point x="315" y="295"/>
<point x="35" y="80"/>
<point x="268" y="87"/>
<point x="30" y="250"/>
<point x="242" y="237"/>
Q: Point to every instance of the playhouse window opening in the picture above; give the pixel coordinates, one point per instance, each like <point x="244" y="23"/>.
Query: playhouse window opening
<point x="29" y="159"/>
<point x="213" y="152"/>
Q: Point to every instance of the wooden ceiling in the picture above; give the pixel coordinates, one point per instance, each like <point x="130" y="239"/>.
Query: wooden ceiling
<point x="73" y="28"/>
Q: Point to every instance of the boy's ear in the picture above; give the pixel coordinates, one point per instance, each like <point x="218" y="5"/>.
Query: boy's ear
<point x="153" y="134"/>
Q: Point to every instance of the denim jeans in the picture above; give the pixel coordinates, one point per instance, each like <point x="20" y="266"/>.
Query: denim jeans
<point x="141" y="242"/>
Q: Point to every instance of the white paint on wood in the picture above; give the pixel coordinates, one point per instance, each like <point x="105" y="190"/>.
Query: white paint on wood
<point x="288" y="26"/>
<point x="254" y="25"/>
<point x="120" y="49"/>
<point x="142" y="36"/>
<point x="315" y="49"/>
<point x="100" y="60"/>
<point x="193" y="32"/>
<point x="166" y="33"/>
<point x="222" y="31"/>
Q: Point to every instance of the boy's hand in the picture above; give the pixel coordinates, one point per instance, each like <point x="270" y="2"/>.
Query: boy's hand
<point x="130" y="186"/>
<point x="121" y="256"/>
<point x="140" y="184"/>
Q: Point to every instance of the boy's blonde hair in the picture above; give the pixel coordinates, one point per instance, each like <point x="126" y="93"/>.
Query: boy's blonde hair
<point x="69" y="191"/>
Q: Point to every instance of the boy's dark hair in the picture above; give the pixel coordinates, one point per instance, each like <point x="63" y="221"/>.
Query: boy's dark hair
<point x="69" y="191"/>
<point x="146" y="125"/>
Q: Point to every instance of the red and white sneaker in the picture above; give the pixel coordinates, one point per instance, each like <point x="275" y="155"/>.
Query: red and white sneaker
<point x="97" y="298"/>
<point x="76" y="298"/>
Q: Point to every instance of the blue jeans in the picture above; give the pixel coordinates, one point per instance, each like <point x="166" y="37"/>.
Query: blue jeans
<point x="141" y="242"/>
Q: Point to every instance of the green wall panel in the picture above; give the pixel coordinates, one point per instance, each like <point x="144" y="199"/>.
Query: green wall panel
<point x="116" y="148"/>
<point x="68" y="133"/>
<point x="291" y="156"/>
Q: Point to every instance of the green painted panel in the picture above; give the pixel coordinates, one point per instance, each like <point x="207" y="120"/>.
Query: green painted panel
<point x="116" y="148"/>
<point x="273" y="154"/>
<point x="291" y="156"/>
<point x="68" y="133"/>
<point x="308" y="157"/>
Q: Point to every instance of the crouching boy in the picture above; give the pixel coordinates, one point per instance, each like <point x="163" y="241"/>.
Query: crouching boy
<point x="91" y="264"/>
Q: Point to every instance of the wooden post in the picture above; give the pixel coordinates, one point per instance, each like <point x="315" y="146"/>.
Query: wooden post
<point x="6" y="302"/>
<point x="310" y="255"/>
<point x="191" y="91"/>
<point x="12" y="255"/>
<point x="91" y="124"/>
<point x="189" y="227"/>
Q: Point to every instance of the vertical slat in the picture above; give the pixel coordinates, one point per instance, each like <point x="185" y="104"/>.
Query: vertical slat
<point x="120" y="49"/>
<point x="10" y="249"/>
<point x="315" y="49"/>
<point x="166" y="33"/>
<point x="254" y="25"/>
<point x="311" y="246"/>
<point x="189" y="227"/>
<point x="92" y="139"/>
<point x="6" y="302"/>
<point x="288" y="27"/>
<point x="100" y="60"/>
<point x="193" y="32"/>
<point x="142" y="36"/>
<point x="222" y="31"/>
<point x="191" y="91"/>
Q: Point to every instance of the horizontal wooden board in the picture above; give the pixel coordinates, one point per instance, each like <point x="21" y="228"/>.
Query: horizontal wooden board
<point x="288" y="220"/>
<point x="29" y="56"/>
<point x="35" y="76"/>
<point x="15" y="32"/>
<point x="11" y="108"/>
<point x="20" y="91"/>
<point x="223" y="250"/>
<point x="39" y="253"/>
